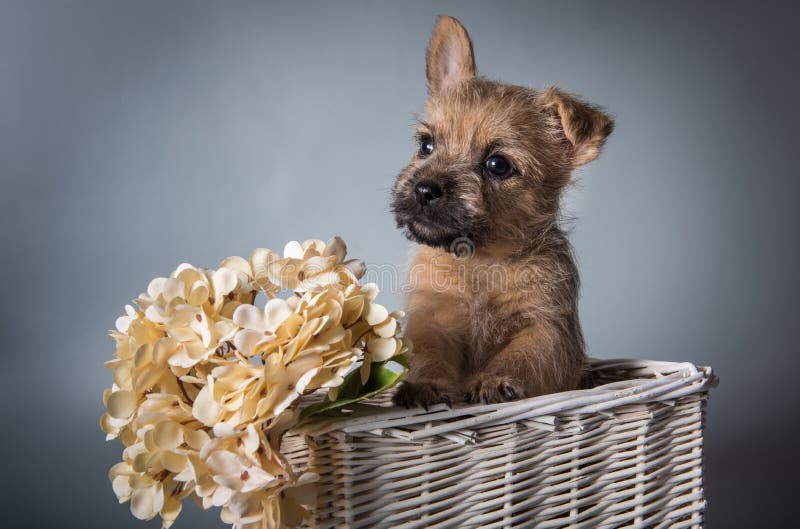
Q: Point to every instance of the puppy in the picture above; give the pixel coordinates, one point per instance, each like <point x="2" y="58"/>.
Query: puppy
<point x="493" y="306"/>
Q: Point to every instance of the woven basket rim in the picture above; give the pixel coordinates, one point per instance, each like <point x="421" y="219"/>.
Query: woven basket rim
<point x="651" y="380"/>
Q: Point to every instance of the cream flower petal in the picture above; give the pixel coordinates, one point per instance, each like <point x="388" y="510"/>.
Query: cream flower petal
<point x="302" y="382"/>
<point x="122" y="323"/>
<point x="173" y="462"/>
<point x="225" y="330"/>
<point x="376" y="314"/>
<point x="312" y="247"/>
<point x="287" y="382"/>
<point x="223" y="494"/>
<point x="317" y="281"/>
<point x="181" y="315"/>
<point x="293" y="250"/>
<point x="185" y="271"/>
<point x="260" y="262"/>
<point x="120" y="469"/>
<point x="182" y="334"/>
<point x="224" y="281"/>
<point x="156" y="313"/>
<point x="381" y="348"/>
<point x="223" y="463"/>
<point x="357" y="267"/>
<point x="284" y="402"/>
<point x="208" y="500"/>
<point x="283" y="272"/>
<point x="170" y="511"/>
<point x="144" y="502"/>
<point x="198" y="294"/>
<point x="257" y="478"/>
<point x="338" y="358"/>
<point x="370" y="290"/>
<point x="122" y="488"/>
<point x="189" y="353"/>
<point x="316" y="265"/>
<point x="336" y="246"/>
<point x="224" y="429"/>
<point x="196" y="439"/>
<point x="189" y="276"/>
<point x="148" y="379"/>
<point x="168" y="435"/>
<point x="237" y="264"/>
<point x="250" y="317"/>
<point x="352" y="309"/>
<point x="122" y="372"/>
<point x="302" y="338"/>
<point x="251" y="439"/>
<point x="121" y="404"/>
<point x="164" y="348"/>
<point x="246" y="341"/>
<point x="386" y="329"/>
<point x="276" y="311"/>
<point x="105" y="424"/>
<point x="156" y="286"/>
<point x="199" y="324"/>
<point x="331" y="335"/>
<point x="205" y="409"/>
<point x="227" y="309"/>
<point x="173" y="288"/>
<point x="117" y="424"/>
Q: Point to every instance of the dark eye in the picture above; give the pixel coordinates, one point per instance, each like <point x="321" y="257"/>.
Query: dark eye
<point x="425" y="146"/>
<point x="498" y="167"/>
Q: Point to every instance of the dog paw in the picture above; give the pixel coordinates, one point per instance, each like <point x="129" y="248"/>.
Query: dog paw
<point x="425" y="394"/>
<point x="488" y="389"/>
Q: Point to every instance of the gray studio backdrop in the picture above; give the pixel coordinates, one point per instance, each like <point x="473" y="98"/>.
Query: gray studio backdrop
<point x="138" y="135"/>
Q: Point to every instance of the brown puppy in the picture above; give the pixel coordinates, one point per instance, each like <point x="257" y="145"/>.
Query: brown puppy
<point x="493" y="307"/>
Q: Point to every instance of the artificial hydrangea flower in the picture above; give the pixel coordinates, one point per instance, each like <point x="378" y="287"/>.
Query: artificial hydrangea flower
<point x="206" y="380"/>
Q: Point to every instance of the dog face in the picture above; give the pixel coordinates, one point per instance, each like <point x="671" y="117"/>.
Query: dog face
<point x="492" y="159"/>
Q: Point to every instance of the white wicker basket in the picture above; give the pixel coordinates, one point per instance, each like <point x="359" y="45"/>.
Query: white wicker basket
<point x="627" y="453"/>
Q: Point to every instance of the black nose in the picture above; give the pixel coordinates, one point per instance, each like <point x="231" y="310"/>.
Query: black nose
<point x="427" y="192"/>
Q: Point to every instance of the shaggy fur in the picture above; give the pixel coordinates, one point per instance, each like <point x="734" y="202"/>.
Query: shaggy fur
<point x="492" y="312"/>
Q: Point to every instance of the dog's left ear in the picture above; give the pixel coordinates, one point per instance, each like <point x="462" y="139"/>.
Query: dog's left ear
<point x="450" y="58"/>
<point x="585" y="126"/>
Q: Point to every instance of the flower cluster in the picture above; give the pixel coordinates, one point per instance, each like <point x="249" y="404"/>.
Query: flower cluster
<point x="206" y="382"/>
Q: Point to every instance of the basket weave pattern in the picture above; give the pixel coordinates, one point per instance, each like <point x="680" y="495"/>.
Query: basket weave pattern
<point x="627" y="453"/>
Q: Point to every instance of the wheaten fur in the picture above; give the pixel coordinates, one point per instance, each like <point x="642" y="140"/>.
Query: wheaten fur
<point x="493" y="307"/>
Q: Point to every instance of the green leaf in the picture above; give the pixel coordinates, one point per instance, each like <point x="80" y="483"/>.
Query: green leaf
<point x="382" y="376"/>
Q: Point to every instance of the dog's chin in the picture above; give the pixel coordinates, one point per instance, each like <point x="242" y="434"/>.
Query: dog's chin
<point x="435" y="236"/>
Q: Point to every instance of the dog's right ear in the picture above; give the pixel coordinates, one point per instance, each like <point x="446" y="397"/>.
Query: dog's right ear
<point x="450" y="58"/>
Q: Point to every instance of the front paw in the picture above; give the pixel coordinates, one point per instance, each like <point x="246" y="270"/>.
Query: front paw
<point x="492" y="388"/>
<point x="425" y="394"/>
